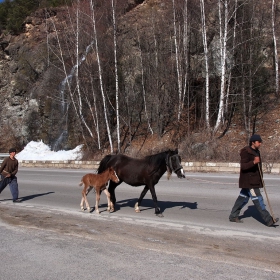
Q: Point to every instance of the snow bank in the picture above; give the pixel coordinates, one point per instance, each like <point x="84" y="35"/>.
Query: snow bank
<point x="40" y="151"/>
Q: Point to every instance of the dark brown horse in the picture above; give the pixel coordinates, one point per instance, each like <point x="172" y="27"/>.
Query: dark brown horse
<point x="99" y="183"/>
<point x="138" y="172"/>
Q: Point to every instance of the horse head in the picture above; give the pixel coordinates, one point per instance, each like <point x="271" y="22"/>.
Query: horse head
<point x="113" y="175"/>
<point x="173" y="164"/>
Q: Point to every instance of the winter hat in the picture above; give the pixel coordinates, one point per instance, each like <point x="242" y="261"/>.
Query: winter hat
<point x="255" y="137"/>
<point x="12" y="150"/>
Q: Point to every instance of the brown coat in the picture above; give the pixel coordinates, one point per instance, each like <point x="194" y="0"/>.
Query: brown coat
<point x="9" y="166"/>
<point x="249" y="172"/>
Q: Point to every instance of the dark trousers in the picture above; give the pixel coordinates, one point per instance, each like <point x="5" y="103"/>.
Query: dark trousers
<point x="257" y="199"/>
<point x="12" y="181"/>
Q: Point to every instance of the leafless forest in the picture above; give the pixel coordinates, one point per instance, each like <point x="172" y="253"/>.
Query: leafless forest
<point x="124" y="73"/>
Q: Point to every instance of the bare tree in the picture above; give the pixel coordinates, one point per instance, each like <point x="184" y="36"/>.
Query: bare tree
<point x="116" y="75"/>
<point x="223" y="24"/>
<point x="100" y="75"/>
<point x="273" y="7"/>
<point x="204" y="39"/>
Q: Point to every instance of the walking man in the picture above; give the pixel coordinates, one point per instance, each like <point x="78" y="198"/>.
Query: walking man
<point x="8" y="170"/>
<point x="250" y="182"/>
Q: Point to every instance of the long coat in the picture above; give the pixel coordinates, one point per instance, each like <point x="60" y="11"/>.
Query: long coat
<point x="250" y="175"/>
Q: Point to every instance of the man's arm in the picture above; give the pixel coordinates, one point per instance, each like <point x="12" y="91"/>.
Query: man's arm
<point x="246" y="162"/>
<point x="4" y="162"/>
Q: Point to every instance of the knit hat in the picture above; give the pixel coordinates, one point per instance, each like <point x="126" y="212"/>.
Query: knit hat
<point x="12" y="150"/>
<point x="255" y="137"/>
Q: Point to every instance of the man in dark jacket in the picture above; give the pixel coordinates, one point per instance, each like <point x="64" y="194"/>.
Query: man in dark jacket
<point x="8" y="170"/>
<point x="250" y="182"/>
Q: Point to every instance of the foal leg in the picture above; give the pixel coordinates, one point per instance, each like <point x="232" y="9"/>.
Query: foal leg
<point x="97" y="199"/>
<point x="85" y="192"/>
<point x="82" y="203"/>
<point x="110" y="204"/>
<point x="84" y="195"/>
<point x="137" y="204"/>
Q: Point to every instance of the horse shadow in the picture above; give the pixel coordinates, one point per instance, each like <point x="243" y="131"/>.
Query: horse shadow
<point x="251" y="211"/>
<point x="148" y="204"/>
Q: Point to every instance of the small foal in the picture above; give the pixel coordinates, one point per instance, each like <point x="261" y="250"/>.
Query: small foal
<point x="99" y="183"/>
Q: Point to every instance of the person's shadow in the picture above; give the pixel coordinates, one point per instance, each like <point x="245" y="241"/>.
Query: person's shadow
<point x="254" y="213"/>
<point x="28" y="197"/>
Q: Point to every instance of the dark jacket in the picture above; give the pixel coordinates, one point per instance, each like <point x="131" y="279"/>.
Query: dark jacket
<point x="9" y="166"/>
<point x="250" y="176"/>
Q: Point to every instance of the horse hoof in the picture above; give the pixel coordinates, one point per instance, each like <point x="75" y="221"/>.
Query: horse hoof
<point x="160" y="215"/>
<point x="137" y="211"/>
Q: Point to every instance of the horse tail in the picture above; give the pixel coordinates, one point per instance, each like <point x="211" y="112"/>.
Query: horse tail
<point x="81" y="183"/>
<point x="103" y="164"/>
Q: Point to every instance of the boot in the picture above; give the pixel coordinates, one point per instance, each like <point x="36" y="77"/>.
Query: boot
<point x="272" y="222"/>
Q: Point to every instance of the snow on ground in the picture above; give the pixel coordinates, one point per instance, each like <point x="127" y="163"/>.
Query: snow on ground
<point x="40" y="151"/>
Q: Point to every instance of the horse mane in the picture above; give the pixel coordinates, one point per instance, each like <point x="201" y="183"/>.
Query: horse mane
<point x="103" y="164"/>
<point x="156" y="160"/>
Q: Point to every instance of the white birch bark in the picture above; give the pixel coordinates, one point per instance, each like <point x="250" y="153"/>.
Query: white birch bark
<point x="186" y="52"/>
<point x="223" y="22"/>
<point x="116" y="76"/>
<point x="178" y="70"/>
<point x="100" y="75"/>
<point x="204" y="39"/>
<point x="275" y="48"/>
<point x="233" y="47"/>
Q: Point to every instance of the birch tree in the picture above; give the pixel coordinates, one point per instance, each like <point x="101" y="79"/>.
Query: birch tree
<point x="223" y="25"/>
<point x="178" y="69"/>
<point x="116" y="75"/>
<point x="204" y="39"/>
<point x="273" y="7"/>
<point x="100" y="75"/>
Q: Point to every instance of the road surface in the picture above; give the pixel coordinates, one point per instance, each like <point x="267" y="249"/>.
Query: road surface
<point x="47" y="236"/>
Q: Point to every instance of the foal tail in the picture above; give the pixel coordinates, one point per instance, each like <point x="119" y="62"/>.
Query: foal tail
<point x="81" y="183"/>
<point x="103" y="164"/>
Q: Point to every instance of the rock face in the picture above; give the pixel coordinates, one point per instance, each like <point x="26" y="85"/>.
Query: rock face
<point x="27" y="111"/>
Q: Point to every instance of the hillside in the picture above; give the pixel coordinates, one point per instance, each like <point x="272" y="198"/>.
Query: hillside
<point x="58" y="78"/>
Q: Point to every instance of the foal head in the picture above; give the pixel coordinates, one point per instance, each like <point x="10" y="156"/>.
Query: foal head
<point x="112" y="175"/>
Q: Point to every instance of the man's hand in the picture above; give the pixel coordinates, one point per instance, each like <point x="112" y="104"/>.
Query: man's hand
<point x="257" y="160"/>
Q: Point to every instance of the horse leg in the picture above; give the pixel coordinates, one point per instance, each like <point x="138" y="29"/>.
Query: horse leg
<point x="137" y="204"/>
<point x="154" y="196"/>
<point x="111" y="189"/>
<point x="109" y="200"/>
<point x="97" y="199"/>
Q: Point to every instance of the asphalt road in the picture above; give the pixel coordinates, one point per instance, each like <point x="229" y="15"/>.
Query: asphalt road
<point x="47" y="236"/>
